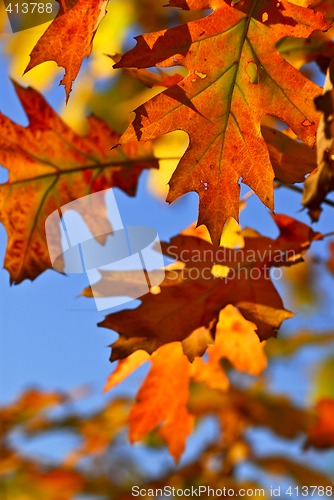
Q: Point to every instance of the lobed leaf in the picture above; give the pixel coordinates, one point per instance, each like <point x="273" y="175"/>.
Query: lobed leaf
<point x="68" y="40"/>
<point x="236" y="76"/>
<point x="50" y="165"/>
<point x="192" y="297"/>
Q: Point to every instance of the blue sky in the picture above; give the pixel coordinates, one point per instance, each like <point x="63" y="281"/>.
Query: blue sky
<point x="49" y="337"/>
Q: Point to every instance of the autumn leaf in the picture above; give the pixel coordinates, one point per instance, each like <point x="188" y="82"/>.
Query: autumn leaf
<point x="56" y="484"/>
<point x="68" y="40"/>
<point x="95" y="432"/>
<point x="235" y="340"/>
<point x="31" y="481"/>
<point x="236" y="76"/>
<point x="125" y="367"/>
<point x="192" y="297"/>
<point x="321" y="434"/>
<point x="291" y="160"/>
<point x="50" y="165"/>
<point x="321" y="181"/>
<point x="148" y="78"/>
<point x="194" y="345"/>
<point x="162" y="399"/>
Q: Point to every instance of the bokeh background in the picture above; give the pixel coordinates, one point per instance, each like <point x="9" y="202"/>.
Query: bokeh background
<point x="49" y="337"/>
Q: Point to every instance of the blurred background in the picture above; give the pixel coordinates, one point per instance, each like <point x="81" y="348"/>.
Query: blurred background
<point x="62" y="436"/>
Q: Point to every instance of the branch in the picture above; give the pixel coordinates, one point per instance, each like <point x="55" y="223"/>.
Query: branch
<point x="298" y="189"/>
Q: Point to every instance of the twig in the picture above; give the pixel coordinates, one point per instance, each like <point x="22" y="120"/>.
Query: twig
<point x="327" y="235"/>
<point x="298" y="189"/>
<point x="247" y="195"/>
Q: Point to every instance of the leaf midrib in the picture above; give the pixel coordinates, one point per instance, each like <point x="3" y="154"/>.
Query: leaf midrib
<point x="233" y="84"/>
<point x="80" y="168"/>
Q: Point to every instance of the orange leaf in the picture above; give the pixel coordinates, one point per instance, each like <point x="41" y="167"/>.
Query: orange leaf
<point x="236" y="76"/>
<point x="194" y="345"/>
<point x="321" y="181"/>
<point x="162" y="396"/>
<point x="175" y="431"/>
<point x="69" y="38"/>
<point x="50" y="165"/>
<point x="236" y="341"/>
<point x="125" y="367"/>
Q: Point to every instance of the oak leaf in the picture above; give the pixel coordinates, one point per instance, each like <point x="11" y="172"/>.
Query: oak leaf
<point x="162" y="399"/>
<point x="321" y="180"/>
<point x="50" y="165"/>
<point x="236" y="76"/>
<point x="68" y="40"/>
<point x="192" y="297"/>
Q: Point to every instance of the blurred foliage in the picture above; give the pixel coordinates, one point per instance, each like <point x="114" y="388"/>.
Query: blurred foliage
<point x="103" y="464"/>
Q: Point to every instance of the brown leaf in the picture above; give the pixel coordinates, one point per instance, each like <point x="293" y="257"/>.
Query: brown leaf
<point x="291" y="160"/>
<point x="235" y="340"/>
<point x="194" y="345"/>
<point x="192" y="297"/>
<point x="321" y="181"/>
